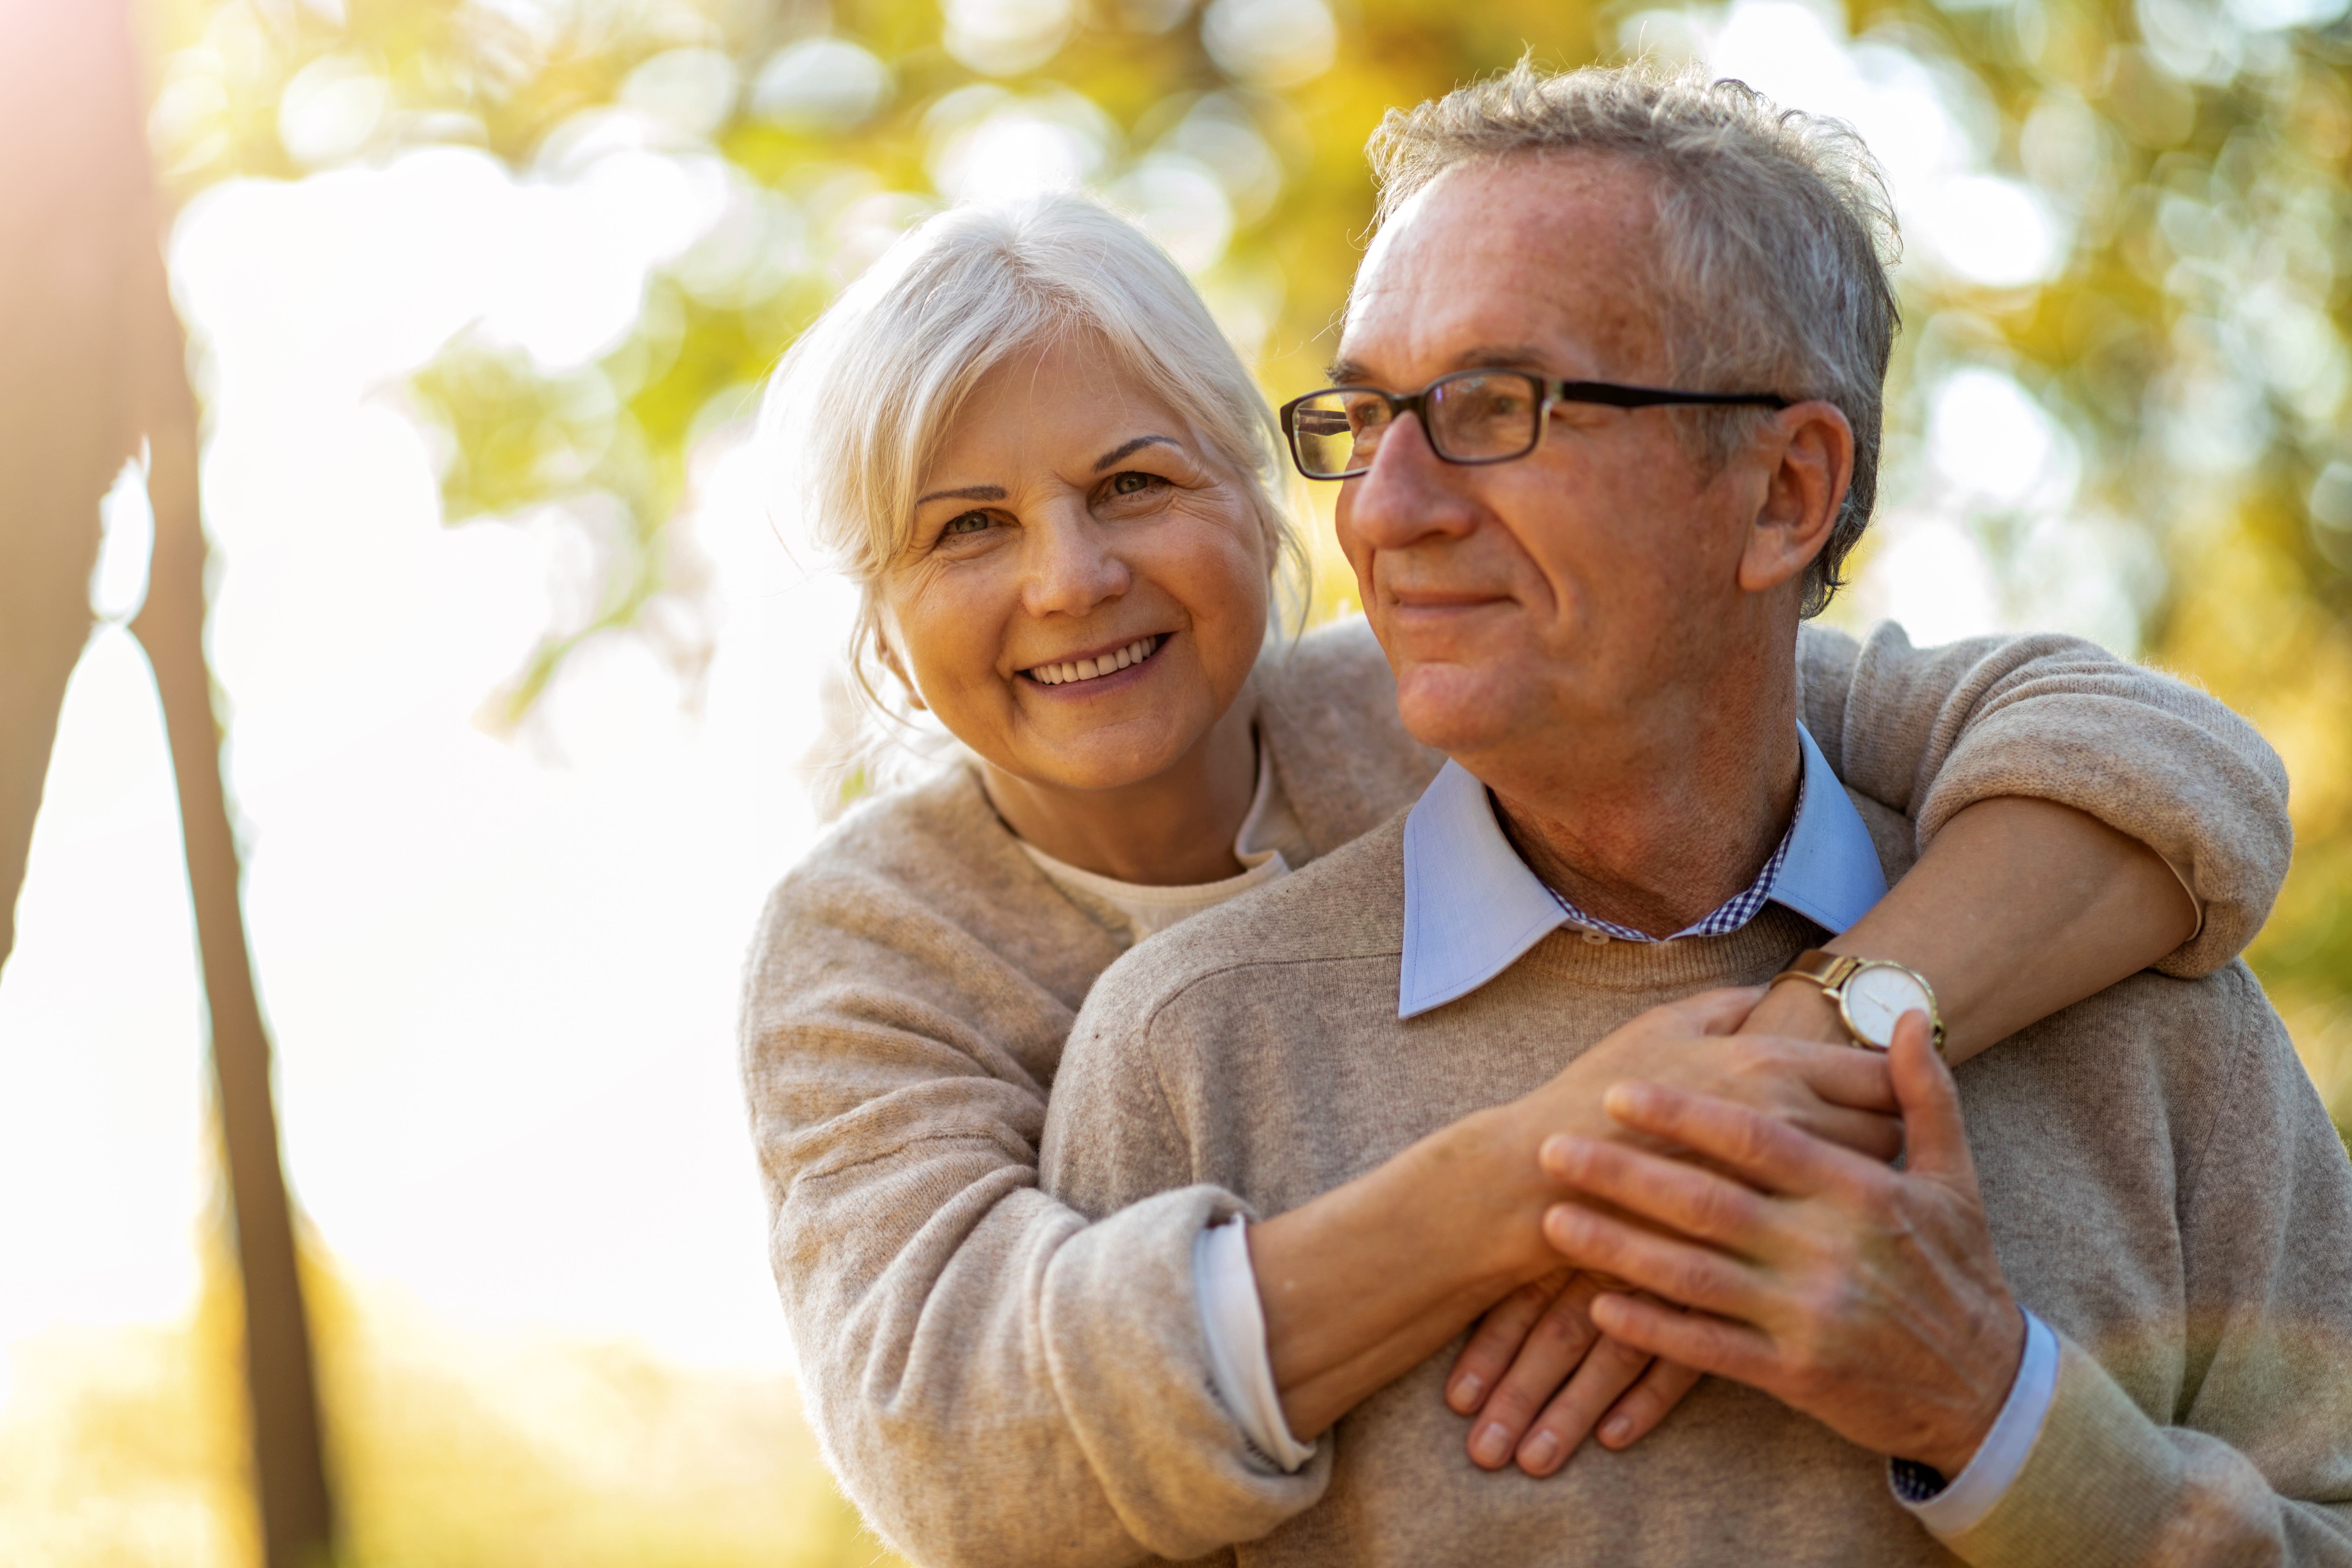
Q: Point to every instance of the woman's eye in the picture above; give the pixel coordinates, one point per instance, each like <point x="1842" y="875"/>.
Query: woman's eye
<point x="969" y="522"/>
<point x="1127" y="483"/>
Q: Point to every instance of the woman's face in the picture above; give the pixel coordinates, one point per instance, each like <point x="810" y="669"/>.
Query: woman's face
<point x="1085" y="589"/>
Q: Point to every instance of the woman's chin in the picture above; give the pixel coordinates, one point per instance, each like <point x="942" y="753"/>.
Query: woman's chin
<point x="1101" y="761"/>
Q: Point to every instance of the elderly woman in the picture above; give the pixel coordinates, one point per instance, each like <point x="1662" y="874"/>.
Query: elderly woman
<point x="1024" y="437"/>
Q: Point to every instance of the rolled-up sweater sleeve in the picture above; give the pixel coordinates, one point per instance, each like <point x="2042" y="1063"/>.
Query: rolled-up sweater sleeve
<point x="977" y="1359"/>
<point x="1930" y="731"/>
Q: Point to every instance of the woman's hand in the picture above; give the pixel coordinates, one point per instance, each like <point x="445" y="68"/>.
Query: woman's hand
<point x="1537" y="1377"/>
<point x="1834" y="1092"/>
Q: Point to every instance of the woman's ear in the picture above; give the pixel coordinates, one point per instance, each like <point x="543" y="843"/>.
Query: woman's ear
<point x="1808" y="450"/>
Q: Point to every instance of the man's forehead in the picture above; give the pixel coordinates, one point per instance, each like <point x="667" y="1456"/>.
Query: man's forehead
<point x="1543" y="255"/>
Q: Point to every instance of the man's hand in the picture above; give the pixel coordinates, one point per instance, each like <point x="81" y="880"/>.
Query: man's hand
<point x="1867" y="1298"/>
<point x="1537" y="1374"/>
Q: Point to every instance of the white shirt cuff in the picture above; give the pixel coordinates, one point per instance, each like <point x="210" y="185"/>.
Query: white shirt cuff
<point x="2189" y="888"/>
<point x="1225" y="1287"/>
<point x="1963" y="1502"/>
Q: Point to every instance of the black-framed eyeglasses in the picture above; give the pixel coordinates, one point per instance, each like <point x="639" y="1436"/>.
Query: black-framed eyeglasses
<point x="1470" y="416"/>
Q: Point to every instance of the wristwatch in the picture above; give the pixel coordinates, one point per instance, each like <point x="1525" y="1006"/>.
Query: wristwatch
<point x="1871" y="994"/>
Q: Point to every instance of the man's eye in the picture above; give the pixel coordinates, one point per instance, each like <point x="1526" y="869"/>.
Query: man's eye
<point x="1127" y="483"/>
<point x="969" y="522"/>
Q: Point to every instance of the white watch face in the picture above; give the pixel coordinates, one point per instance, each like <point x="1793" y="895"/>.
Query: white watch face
<point x="1876" y="994"/>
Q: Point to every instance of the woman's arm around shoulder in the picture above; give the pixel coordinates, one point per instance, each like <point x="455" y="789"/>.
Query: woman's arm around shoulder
<point x="1931" y="732"/>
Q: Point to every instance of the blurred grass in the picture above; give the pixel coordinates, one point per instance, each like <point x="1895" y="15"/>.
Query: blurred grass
<point x="122" y="1448"/>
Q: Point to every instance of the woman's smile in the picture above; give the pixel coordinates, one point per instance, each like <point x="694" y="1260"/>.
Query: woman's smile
<point x="1093" y="670"/>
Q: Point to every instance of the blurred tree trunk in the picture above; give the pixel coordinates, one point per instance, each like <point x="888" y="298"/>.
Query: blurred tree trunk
<point x="91" y="359"/>
<point x="67" y="124"/>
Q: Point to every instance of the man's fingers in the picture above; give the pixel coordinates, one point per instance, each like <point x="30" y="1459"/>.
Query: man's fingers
<point x="1636" y="1414"/>
<point x="1698" y="1341"/>
<point x="1935" y="1135"/>
<point x="1768" y="1153"/>
<point x="1496" y="1342"/>
<point x="1683" y="1273"/>
<point x="1682" y="1197"/>
<point x="1608" y="1370"/>
<point x="1555" y="1345"/>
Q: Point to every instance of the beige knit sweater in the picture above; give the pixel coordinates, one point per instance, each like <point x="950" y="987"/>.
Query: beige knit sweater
<point x="2164" y="1187"/>
<point x="980" y="1363"/>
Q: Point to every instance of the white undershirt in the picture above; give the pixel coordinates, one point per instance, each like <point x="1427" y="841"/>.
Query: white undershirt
<point x="1150" y="910"/>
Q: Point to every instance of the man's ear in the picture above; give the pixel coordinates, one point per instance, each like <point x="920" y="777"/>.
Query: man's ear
<point x="1808" y="450"/>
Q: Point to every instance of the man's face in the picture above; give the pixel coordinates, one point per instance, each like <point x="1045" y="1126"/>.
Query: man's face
<point x="1599" y="572"/>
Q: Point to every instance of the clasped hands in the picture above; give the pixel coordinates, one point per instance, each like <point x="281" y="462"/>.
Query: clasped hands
<point x="1727" y="1206"/>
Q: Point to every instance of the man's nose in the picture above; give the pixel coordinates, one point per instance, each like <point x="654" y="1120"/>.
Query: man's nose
<point x="1409" y="496"/>
<point x="1073" y="565"/>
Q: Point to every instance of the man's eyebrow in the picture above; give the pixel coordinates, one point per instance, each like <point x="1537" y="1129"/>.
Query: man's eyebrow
<point x="1140" y="442"/>
<point x="1501" y="356"/>
<point x="970" y="492"/>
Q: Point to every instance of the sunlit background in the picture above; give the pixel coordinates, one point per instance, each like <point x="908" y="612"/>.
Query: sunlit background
<point x="521" y="682"/>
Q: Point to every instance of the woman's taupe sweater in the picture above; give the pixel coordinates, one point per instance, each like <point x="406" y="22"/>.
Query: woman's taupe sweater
<point x="983" y="1365"/>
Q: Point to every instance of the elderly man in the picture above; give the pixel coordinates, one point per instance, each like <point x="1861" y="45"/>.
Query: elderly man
<point x="1602" y="378"/>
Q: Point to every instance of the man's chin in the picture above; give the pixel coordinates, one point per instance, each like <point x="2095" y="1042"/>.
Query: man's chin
<point x="1457" y="710"/>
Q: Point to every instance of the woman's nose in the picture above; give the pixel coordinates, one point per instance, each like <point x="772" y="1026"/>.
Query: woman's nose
<point x="1409" y="494"/>
<point x="1074" y="567"/>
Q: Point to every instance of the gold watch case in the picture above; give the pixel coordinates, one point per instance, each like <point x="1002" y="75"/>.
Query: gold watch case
<point x="1871" y="994"/>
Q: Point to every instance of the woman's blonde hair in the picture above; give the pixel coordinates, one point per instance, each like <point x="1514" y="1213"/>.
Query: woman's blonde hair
<point x="856" y="411"/>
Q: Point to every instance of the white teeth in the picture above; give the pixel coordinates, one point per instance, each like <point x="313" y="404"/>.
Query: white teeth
<point x="1067" y="670"/>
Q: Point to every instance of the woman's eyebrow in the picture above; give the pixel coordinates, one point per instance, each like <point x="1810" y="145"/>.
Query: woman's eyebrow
<point x="970" y="492"/>
<point x="1107" y="458"/>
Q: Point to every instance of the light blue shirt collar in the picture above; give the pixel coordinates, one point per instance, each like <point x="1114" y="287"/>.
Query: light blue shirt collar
<point x="1472" y="907"/>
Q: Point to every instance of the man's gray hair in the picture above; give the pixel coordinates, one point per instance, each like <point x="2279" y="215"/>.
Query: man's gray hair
<point x="1774" y="226"/>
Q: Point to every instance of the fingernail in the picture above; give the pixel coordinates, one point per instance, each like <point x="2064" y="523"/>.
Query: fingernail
<point x="1493" y="1445"/>
<point x="1465" y="1392"/>
<point x="1617" y="1429"/>
<point x="1542" y="1448"/>
<point x="1558" y="1154"/>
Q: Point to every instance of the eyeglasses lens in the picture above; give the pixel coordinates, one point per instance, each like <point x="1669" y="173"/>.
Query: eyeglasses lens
<point x="1483" y="415"/>
<point x="1336" y="432"/>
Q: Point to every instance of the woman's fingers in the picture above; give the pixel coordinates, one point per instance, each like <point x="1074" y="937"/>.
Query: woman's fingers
<point x="1844" y="1075"/>
<point x="1555" y="1346"/>
<point x="1637" y="1413"/>
<point x="1863" y="1131"/>
<point x="1495" y="1342"/>
<point x="1715" y="1012"/>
